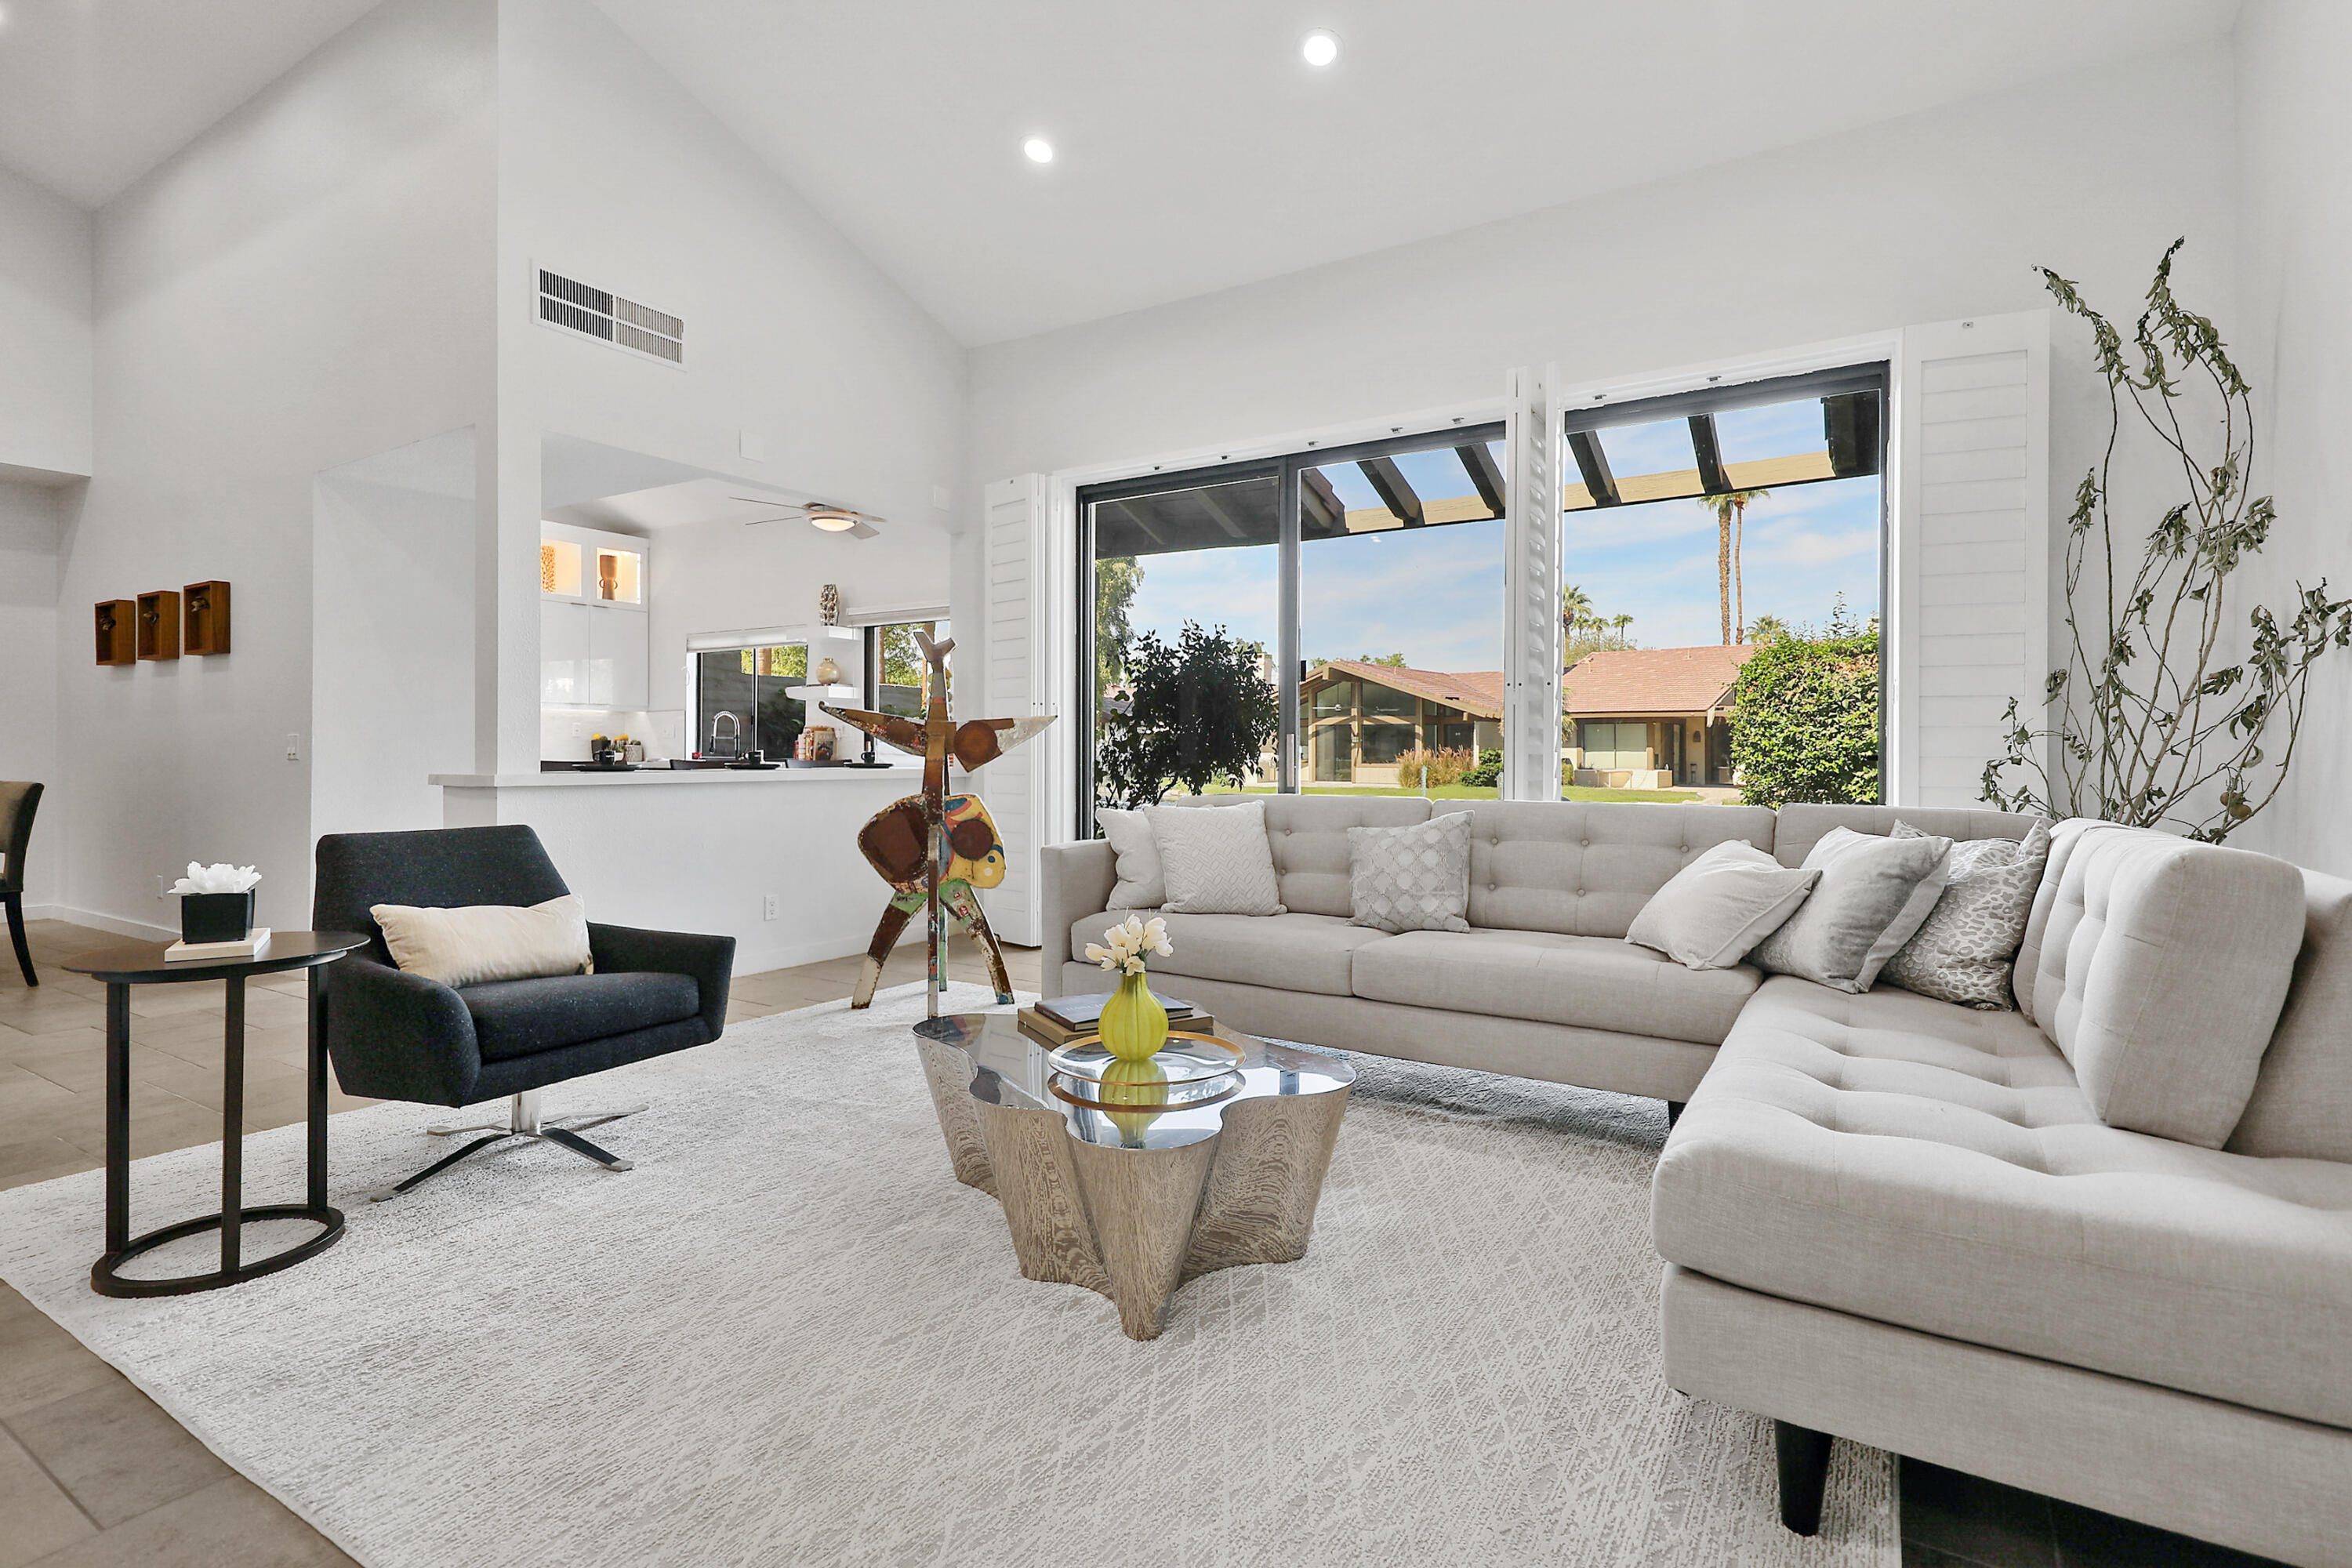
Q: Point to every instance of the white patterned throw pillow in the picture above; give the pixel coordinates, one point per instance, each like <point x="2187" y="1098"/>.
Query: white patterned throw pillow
<point x="1967" y="950"/>
<point x="1410" y="878"/>
<point x="1141" y="884"/>
<point x="1217" y="860"/>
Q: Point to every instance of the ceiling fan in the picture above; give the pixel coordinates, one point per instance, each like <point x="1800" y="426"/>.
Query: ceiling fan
<point x="816" y="514"/>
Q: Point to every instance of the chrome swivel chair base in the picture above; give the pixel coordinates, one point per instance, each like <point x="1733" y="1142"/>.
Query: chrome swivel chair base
<point x="524" y="1122"/>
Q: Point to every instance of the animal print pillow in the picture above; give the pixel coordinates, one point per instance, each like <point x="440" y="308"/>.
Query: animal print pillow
<point x="1965" y="951"/>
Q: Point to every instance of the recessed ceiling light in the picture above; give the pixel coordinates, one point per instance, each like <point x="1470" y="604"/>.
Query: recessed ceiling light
<point x="1321" y="48"/>
<point x="1039" y="148"/>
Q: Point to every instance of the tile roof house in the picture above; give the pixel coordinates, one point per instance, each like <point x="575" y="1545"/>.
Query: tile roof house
<point x="1653" y="716"/>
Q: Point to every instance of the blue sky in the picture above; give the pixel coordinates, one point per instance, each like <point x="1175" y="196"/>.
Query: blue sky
<point x="1435" y="594"/>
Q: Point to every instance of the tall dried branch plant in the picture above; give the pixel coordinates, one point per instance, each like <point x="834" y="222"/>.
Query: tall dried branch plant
<point x="2146" y="720"/>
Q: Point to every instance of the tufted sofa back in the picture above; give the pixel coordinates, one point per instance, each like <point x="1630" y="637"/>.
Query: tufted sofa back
<point x="1801" y="827"/>
<point x="2158" y="966"/>
<point x="1583" y="869"/>
<point x="1310" y="839"/>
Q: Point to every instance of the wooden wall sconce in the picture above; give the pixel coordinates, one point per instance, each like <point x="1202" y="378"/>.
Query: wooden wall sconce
<point x="158" y="625"/>
<point x="205" y="618"/>
<point x="116" y="623"/>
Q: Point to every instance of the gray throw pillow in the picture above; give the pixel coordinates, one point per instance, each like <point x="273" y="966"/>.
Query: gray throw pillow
<point x="1141" y="884"/>
<point x="1965" y="951"/>
<point x="1217" y="860"/>
<point x="1874" y="895"/>
<point x="1410" y="878"/>
<point x="1716" y="909"/>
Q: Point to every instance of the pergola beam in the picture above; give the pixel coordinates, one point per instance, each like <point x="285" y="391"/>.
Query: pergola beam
<point x="1479" y="459"/>
<point x="1593" y="464"/>
<point x="1135" y="517"/>
<point x="1395" y="494"/>
<point x="1712" y="479"/>
<point x="1319" y="503"/>
<point x="1219" y="513"/>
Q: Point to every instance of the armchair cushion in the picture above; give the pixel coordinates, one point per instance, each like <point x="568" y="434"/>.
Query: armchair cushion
<point x="523" y="1017"/>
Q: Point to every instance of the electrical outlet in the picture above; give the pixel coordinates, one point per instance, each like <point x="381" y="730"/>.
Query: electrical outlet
<point x="293" y="746"/>
<point x="578" y="729"/>
<point x="767" y="907"/>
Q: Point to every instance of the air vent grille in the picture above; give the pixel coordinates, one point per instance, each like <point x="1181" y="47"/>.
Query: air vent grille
<point x="576" y="306"/>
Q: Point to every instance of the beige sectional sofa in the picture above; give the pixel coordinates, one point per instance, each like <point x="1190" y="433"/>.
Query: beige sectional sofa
<point x="1947" y="1232"/>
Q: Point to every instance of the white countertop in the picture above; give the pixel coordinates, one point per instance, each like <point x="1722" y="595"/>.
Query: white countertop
<point x="910" y="777"/>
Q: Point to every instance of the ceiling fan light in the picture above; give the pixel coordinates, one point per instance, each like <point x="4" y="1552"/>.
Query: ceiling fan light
<point x="833" y="520"/>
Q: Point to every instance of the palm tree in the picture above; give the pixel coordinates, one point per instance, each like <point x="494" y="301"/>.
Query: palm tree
<point x="1730" y="509"/>
<point x="1575" y="608"/>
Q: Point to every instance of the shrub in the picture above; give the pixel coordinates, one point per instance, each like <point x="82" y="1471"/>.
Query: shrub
<point x="1807" y="723"/>
<point x="1445" y="767"/>
<point x="1198" y="711"/>
<point x="1488" y="772"/>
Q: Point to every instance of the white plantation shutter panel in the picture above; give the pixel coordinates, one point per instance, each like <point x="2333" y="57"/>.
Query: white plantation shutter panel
<point x="1970" y="548"/>
<point x="1011" y="644"/>
<point x="1531" y="647"/>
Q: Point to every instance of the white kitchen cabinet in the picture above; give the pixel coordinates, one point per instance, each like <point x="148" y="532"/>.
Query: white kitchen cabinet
<point x="616" y="655"/>
<point x="563" y="651"/>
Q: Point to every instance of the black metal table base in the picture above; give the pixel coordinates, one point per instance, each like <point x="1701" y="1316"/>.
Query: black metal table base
<point x="107" y="1278"/>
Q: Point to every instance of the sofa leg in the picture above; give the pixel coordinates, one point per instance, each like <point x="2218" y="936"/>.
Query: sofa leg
<point x="1804" y="1456"/>
<point x="1673" y="1112"/>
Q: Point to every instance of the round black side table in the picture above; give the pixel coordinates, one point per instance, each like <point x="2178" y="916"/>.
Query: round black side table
<point x="142" y="964"/>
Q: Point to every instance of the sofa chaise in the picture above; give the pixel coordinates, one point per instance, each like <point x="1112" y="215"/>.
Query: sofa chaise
<point x="2099" y="1247"/>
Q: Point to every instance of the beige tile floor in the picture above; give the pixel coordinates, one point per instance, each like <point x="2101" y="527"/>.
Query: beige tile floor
<point x="92" y="1474"/>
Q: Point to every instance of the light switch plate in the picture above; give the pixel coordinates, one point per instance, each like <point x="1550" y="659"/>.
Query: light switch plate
<point x="939" y="498"/>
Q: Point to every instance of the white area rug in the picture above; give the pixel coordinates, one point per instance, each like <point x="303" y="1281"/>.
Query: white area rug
<point x="789" y="1336"/>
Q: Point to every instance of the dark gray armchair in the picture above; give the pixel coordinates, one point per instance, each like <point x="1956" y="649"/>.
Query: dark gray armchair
<point x="396" y="1036"/>
<point x="17" y="803"/>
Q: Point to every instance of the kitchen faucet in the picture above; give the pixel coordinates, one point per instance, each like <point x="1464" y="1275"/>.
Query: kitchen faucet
<point x="734" y="734"/>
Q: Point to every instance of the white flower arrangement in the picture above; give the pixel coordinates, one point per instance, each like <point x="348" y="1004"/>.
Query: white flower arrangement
<point x="1130" y="940"/>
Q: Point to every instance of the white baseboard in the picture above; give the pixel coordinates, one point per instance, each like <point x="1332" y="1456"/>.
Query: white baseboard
<point x="142" y="930"/>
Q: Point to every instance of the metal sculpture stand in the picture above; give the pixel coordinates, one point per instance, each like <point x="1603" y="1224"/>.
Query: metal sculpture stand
<point x="935" y="850"/>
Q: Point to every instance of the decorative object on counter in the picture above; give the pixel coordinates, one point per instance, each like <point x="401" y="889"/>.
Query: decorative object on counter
<point x="815" y="744"/>
<point x="828" y="673"/>
<point x="1134" y="1024"/>
<point x="116" y="621"/>
<point x="608" y="574"/>
<point x="755" y="760"/>
<point x="158" y="625"/>
<point x="547" y="568"/>
<point x="204" y="618"/>
<point x="866" y="759"/>
<point x="828" y="605"/>
<point x="935" y="849"/>
<point x="216" y="903"/>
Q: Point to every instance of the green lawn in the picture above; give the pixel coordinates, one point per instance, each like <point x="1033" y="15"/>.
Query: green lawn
<point x="1473" y="791"/>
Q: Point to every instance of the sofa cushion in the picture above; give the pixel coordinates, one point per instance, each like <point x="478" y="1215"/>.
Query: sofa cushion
<point x="1874" y="895"/>
<point x="1216" y="863"/>
<point x="1309" y="836"/>
<point x="1712" y="912"/>
<point x="2158" y="966"/>
<point x="1142" y="884"/>
<point x="1586" y="869"/>
<point x="1799" y="825"/>
<point x="1590" y="982"/>
<point x="1967" y="950"/>
<point x="1415" y="878"/>
<point x="2301" y="1103"/>
<point x="523" y="1017"/>
<point x="1289" y="952"/>
<point x="1926" y="1165"/>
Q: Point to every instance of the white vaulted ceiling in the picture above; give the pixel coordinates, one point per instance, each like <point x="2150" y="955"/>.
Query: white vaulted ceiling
<point x="1196" y="150"/>
<point x="94" y="93"/>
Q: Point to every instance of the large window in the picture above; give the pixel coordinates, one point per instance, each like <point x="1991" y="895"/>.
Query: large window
<point x="1366" y="581"/>
<point x="1694" y="530"/>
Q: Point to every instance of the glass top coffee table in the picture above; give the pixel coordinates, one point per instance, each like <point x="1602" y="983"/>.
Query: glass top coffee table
<point x="1130" y="1181"/>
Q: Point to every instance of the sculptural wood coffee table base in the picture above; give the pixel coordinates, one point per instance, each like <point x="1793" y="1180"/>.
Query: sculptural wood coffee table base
<point x="1132" y="1204"/>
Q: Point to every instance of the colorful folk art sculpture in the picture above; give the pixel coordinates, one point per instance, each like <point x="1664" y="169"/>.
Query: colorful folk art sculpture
<point x="936" y="850"/>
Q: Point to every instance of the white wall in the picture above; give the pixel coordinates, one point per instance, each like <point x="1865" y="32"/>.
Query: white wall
<point x="304" y="285"/>
<point x="45" y="353"/>
<point x="392" y="634"/>
<point x="612" y="173"/>
<point x="1937" y="215"/>
<point x="723" y="576"/>
<point x="2292" y="336"/>
<point x="33" y="519"/>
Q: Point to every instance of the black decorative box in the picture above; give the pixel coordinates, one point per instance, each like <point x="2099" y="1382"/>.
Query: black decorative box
<point x="216" y="917"/>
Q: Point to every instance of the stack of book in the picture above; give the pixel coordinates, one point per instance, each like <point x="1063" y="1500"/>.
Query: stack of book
<point x="1058" y="1020"/>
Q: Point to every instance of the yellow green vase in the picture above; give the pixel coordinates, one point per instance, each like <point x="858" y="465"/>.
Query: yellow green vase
<point x="1142" y="1087"/>
<point x="1134" y="1024"/>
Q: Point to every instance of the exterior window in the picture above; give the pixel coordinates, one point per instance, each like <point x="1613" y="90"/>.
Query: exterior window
<point x="1336" y="700"/>
<point x="741" y="702"/>
<point x="1389" y="702"/>
<point x="898" y="681"/>
<point x="1384" y="743"/>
